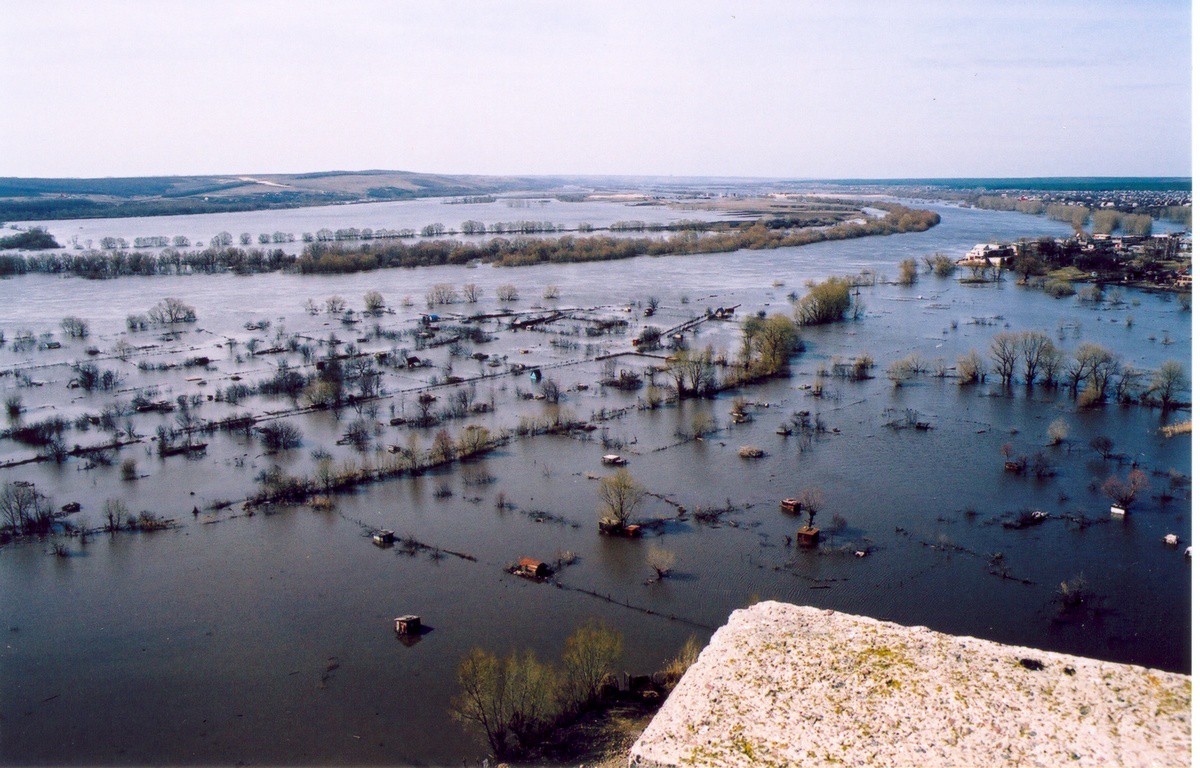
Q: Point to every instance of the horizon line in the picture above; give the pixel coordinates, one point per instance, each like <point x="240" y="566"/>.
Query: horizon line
<point x="568" y="175"/>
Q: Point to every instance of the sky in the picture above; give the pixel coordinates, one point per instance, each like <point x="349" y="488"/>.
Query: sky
<point x="774" y="88"/>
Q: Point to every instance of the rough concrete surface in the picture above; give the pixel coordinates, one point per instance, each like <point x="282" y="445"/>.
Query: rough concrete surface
<point x="785" y="685"/>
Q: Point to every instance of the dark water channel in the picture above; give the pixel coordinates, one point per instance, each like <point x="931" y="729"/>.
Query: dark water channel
<point x="267" y="638"/>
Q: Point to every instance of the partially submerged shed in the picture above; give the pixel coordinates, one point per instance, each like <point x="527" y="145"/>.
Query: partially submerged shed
<point x="533" y="569"/>
<point x="384" y="538"/>
<point x="408" y="625"/>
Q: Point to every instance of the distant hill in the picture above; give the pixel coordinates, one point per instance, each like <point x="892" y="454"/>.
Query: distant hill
<point x="38" y="199"/>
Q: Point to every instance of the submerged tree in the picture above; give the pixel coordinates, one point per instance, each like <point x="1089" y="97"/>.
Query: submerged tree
<point x="1004" y="351"/>
<point x="170" y="311"/>
<point x="811" y="500"/>
<point x="825" y="302"/>
<point x="373" y="302"/>
<point x="661" y="561"/>
<point x="768" y="343"/>
<point x="1036" y="351"/>
<point x="23" y="509"/>
<point x="1168" y="381"/>
<point x="620" y="496"/>
<point x="969" y="368"/>
<point x="1124" y="492"/>
<point x="75" y="327"/>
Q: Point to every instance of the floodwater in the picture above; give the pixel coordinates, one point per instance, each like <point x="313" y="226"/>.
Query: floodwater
<point x="268" y="638"/>
<point x="199" y="229"/>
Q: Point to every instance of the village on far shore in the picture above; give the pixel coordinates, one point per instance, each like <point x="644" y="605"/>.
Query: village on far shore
<point x="1159" y="261"/>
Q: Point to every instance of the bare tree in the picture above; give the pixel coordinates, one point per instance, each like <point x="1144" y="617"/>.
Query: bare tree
<point x="444" y="448"/>
<point x="1124" y="492"/>
<point x="1128" y="384"/>
<point x="551" y="391"/>
<point x="661" y="560"/>
<point x="373" y="301"/>
<point x="473" y="439"/>
<point x="75" y="327"/>
<point x="23" y="508"/>
<point x="470" y="292"/>
<point x="441" y="293"/>
<point x="1034" y="348"/>
<point x="969" y="368"/>
<point x="1168" y="381"/>
<point x="1097" y="365"/>
<point x="425" y="403"/>
<point x="620" y="496"/>
<point x="1102" y="444"/>
<point x="462" y="399"/>
<point x="170" y="311"/>
<point x="1057" y="431"/>
<point x="116" y="513"/>
<point x="811" y="499"/>
<point x="1004" y="355"/>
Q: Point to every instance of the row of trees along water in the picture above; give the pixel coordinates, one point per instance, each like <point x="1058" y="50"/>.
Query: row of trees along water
<point x="37" y="238"/>
<point x="1103" y="220"/>
<point x="335" y="256"/>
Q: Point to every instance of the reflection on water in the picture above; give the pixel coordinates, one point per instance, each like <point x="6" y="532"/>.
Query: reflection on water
<point x="269" y="638"/>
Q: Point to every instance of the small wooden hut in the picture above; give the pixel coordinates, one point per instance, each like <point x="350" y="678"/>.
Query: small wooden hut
<point x="533" y="569"/>
<point x="384" y="538"/>
<point x="808" y="537"/>
<point x="408" y="625"/>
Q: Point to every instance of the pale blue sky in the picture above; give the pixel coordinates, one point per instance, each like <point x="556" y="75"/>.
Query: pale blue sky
<point x="773" y="88"/>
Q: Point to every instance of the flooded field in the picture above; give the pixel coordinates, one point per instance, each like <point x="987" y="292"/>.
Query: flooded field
<point x="265" y="634"/>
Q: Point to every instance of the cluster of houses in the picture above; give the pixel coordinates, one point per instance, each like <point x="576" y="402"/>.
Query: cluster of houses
<point x="1161" y="259"/>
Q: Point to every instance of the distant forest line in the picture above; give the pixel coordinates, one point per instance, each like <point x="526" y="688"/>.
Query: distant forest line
<point x="1040" y="183"/>
<point x="51" y="208"/>
<point x="334" y="258"/>
<point x="29" y="199"/>
<point x="42" y="199"/>
<point x="1103" y="220"/>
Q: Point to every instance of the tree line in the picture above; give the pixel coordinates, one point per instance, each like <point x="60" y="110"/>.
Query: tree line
<point x="1104" y="220"/>
<point x="1093" y="373"/>
<point x="320" y="258"/>
<point x="331" y="256"/>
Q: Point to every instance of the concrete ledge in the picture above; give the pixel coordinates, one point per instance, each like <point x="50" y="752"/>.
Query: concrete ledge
<point x="785" y="685"/>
